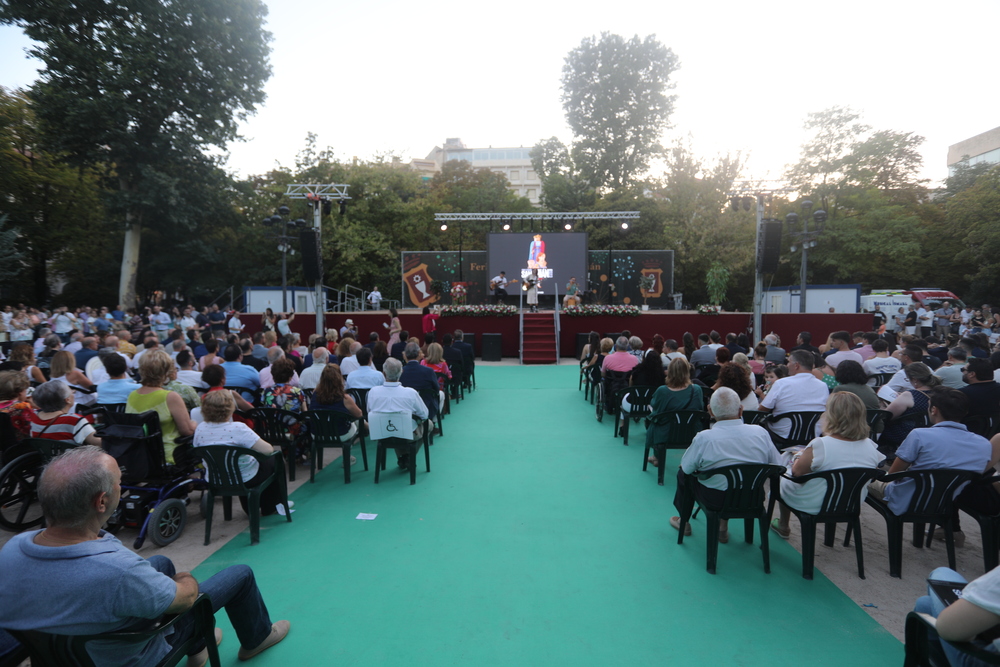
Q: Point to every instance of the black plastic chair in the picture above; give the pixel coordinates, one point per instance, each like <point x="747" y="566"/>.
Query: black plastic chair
<point x="744" y="499"/>
<point x="15" y="656"/>
<point x="324" y="427"/>
<point x="802" y="429"/>
<point x="841" y="504"/>
<point x="224" y="480"/>
<point x="683" y="426"/>
<point x="70" y="650"/>
<point x="360" y="397"/>
<point x="275" y="426"/>
<point x="918" y="651"/>
<point x="880" y="378"/>
<point x="984" y="425"/>
<point x="254" y="394"/>
<point x="386" y="444"/>
<point x="428" y="395"/>
<point x="611" y="383"/>
<point x="754" y="417"/>
<point x="638" y="399"/>
<point x="443" y="381"/>
<point x="877" y="419"/>
<point x="989" y="527"/>
<point x="932" y="503"/>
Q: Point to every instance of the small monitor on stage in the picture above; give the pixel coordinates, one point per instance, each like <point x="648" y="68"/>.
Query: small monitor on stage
<point x="556" y="256"/>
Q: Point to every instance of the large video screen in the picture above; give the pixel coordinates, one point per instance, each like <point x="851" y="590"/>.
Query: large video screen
<point x="558" y="256"/>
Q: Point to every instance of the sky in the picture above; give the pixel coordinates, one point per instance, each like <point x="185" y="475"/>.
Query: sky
<point x="392" y="77"/>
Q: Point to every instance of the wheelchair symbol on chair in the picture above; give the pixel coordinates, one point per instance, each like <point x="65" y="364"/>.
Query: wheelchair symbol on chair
<point x="390" y="427"/>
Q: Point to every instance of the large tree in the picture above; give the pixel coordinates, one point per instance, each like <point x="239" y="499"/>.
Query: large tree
<point x="143" y="87"/>
<point x="614" y="93"/>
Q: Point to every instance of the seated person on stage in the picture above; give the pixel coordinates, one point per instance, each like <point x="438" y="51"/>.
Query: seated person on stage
<point x="977" y="611"/>
<point x="729" y="442"/>
<point x="572" y="297"/>
<point x="54" y="419"/>
<point x="218" y="428"/>
<point x="394" y="397"/>
<point x="844" y="444"/>
<point x="421" y="378"/>
<point x="947" y="444"/>
<point x="73" y="578"/>
<point x="799" y="392"/>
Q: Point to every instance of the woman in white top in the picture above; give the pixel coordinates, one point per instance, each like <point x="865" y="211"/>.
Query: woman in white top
<point x="218" y="428"/>
<point x="844" y="444"/>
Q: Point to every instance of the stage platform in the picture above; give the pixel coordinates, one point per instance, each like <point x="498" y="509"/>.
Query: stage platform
<point x="667" y="323"/>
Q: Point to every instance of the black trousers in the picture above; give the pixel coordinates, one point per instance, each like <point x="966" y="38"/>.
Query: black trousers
<point x="501" y="294"/>
<point x="269" y="497"/>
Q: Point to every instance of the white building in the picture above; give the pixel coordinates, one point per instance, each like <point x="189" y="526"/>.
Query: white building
<point x="513" y="163"/>
<point x="983" y="147"/>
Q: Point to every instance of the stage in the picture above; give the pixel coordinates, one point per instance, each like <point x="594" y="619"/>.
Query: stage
<point x="667" y="323"/>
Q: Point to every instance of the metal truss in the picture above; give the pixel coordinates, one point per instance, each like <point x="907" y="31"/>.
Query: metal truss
<point x="333" y="191"/>
<point x="496" y="217"/>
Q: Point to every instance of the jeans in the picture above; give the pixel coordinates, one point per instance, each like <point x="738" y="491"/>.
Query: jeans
<point x="931" y="604"/>
<point x="235" y="589"/>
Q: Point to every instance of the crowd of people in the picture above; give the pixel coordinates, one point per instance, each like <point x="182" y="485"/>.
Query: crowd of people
<point x="199" y="374"/>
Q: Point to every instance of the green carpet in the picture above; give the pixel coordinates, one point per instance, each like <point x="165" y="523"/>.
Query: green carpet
<point x="535" y="540"/>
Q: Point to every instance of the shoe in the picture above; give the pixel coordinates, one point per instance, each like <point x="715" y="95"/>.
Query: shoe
<point x="278" y="632"/>
<point x="200" y="659"/>
<point x="723" y="536"/>
<point x="654" y="461"/>
<point x="675" y="523"/>
<point x="959" y="537"/>
<point x="776" y="527"/>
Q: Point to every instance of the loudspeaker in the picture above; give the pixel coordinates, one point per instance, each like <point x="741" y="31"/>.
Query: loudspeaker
<point x="492" y="348"/>
<point x="312" y="258"/>
<point x="769" y="247"/>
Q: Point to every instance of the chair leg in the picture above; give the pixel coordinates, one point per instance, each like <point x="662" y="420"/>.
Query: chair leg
<point x="290" y="457"/>
<point x="808" y="525"/>
<point x="895" y="535"/>
<point x="829" y="533"/>
<point x="661" y="459"/>
<point x="227" y="508"/>
<point x="379" y="455"/>
<point x="210" y="502"/>
<point x="748" y="530"/>
<point x="645" y="458"/>
<point x="712" y="528"/>
<point x="919" y="535"/>
<point x="347" y="463"/>
<point x="765" y="547"/>
<point x="847" y="533"/>
<point x="855" y="524"/>
<point x="254" y="506"/>
<point x="364" y="453"/>
<point x="412" y="458"/>
<point x="949" y="542"/>
<point x="427" y="458"/>
<point x="625" y="431"/>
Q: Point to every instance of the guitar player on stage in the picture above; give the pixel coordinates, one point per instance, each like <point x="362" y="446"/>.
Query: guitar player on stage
<point x="499" y="286"/>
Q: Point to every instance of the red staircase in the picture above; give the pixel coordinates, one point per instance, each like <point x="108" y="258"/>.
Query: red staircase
<point x="538" y="338"/>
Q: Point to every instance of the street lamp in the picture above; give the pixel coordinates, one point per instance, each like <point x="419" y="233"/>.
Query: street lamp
<point x="805" y="239"/>
<point x="281" y="221"/>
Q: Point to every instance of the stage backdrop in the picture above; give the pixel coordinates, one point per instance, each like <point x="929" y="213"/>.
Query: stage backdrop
<point x="423" y="272"/>
<point x="620" y="285"/>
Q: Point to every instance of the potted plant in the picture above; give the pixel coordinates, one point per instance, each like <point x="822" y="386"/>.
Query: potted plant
<point x="646" y="284"/>
<point x="458" y="294"/>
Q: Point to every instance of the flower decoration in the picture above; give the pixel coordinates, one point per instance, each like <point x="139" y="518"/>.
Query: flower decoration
<point x="458" y="294"/>
<point x="487" y="310"/>
<point x="592" y="310"/>
<point x="709" y="309"/>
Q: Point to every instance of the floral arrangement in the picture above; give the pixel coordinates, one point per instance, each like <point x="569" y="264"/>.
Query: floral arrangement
<point x="709" y="309"/>
<point x="488" y="310"/>
<point x="590" y="310"/>
<point x="458" y="294"/>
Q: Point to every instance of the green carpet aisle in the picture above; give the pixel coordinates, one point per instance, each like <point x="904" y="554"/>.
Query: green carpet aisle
<point x="535" y="540"/>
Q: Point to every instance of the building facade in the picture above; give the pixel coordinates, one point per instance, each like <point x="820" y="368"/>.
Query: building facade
<point x="983" y="147"/>
<point x="513" y="163"/>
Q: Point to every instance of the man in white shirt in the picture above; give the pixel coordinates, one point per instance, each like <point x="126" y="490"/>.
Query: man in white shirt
<point x="899" y="382"/>
<point x="799" y="392"/>
<point x="925" y="322"/>
<point x="63" y="322"/>
<point x="187" y="374"/>
<point x="394" y="397"/>
<point x="365" y="376"/>
<point x="75" y="343"/>
<point x="310" y="376"/>
<point x="499" y="286"/>
<point x="187" y="322"/>
<point x="235" y="325"/>
<point x="729" y="442"/>
<point x="375" y="298"/>
<point x="350" y="364"/>
<point x="160" y="322"/>
<point x="881" y="362"/>
<point x="841" y="341"/>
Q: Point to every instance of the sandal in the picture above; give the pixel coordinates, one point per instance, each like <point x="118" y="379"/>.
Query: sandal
<point x="776" y="527"/>
<point x="654" y="461"/>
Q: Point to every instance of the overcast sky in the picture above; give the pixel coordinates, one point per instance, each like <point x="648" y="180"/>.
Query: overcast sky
<point x="399" y="77"/>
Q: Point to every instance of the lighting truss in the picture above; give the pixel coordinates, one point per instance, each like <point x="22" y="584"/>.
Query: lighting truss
<point x="497" y="217"/>
<point x="332" y="191"/>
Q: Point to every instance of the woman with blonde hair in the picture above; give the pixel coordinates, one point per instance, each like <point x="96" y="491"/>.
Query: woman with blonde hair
<point x="844" y="444"/>
<point x="63" y="369"/>
<point x="154" y="369"/>
<point x="435" y="361"/>
<point x="677" y="394"/>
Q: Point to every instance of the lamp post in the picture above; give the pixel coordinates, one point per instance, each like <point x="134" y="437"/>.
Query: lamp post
<point x="805" y="239"/>
<point x="281" y="221"/>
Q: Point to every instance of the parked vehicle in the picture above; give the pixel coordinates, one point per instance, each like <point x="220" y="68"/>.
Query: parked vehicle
<point x="891" y="300"/>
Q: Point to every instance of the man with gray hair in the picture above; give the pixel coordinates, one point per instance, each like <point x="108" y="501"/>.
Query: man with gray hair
<point x="266" y="380"/>
<point x="729" y="442"/>
<point x="774" y="354"/>
<point x="75" y="579"/>
<point x="350" y="364"/>
<point x="422" y="379"/>
<point x="952" y="372"/>
<point x="310" y="376"/>
<point x="620" y="359"/>
<point x="394" y="397"/>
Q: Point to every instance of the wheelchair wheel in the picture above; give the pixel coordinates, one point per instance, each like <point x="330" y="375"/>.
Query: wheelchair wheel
<point x="166" y="523"/>
<point x="19" y="508"/>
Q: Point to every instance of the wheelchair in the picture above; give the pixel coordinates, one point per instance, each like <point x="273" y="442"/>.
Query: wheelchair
<point x="154" y="493"/>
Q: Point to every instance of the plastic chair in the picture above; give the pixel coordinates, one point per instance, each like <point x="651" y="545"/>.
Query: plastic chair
<point x="877" y="419"/>
<point x="428" y="395"/>
<point x="880" y="378"/>
<point x="324" y="428"/>
<point x="611" y="383"/>
<point x="801" y="432"/>
<point x="841" y="504"/>
<point x="254" y="394"/>
<point x="989" y="527"/>
<point x="932" y="503"/>
<point x="754" y="417"/>
<point x="443" y="381"/>
<point x="360" y="397"/>
<point x="638" y="400"/>
<point x="984" y="425"/>
<point x="15" y="656"/>
<point x="275" y="425"/>
<point x="224" y="480"/>
<point x="918" y="652"/>
<point x="744" y="499"/>
<point x="684" y="425"/>
<point x="70" y="650"/>
<point x="412" y="445"/>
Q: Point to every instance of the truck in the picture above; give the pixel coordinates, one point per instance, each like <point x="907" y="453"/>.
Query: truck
<point x="890" y="300"/>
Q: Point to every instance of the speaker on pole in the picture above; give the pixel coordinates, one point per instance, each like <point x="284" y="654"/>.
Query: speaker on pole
<point x="312" y="258"/>
<point x="769" y="248"/>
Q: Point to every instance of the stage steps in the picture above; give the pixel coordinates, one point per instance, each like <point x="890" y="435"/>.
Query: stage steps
<point x="538" y="338"/>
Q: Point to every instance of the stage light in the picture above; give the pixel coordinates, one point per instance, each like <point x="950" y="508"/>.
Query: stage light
<point x="283" y="210"/>
<point x="343" y="206"/>
<point x="567" y="226"/>
<point x="444" y="228"/>
<point x="506" y="227"/>
<point x="624" y="225"/>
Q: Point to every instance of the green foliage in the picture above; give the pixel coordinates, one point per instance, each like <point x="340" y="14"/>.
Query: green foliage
<point x="886" y="160"/>
<point x="717" y="282"/>
<point x="614" y="97"/>
<point x="820" y="169"/>
<point x="965" y="176"/>
<point x="11" y="259"/>
<point x="976" y="212"/>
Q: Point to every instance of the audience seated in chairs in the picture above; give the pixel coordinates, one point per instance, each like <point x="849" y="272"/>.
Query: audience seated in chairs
<point x="910" y="406"/>
<point x="154" y="368"/>
<point x="365" y="377"/>
<point x="283" y="394"/>
<point x="801" y="391"/>
<point x="78" y="492"/>
<point x="394" y="397"/>
<point x="218" y="428"/>
<point x="677" y="394"/>
<point x="844" y="444"/>
<point x="851" y="378"/>
<point x="421" y="378"/>
<point x="728" y="442"/>
<point x="330" y="394"/>
<point x="63" y="369"/>
<point x="964" y="620"/>
<point x="736" y="378"/>
<point x="55" y="419"/>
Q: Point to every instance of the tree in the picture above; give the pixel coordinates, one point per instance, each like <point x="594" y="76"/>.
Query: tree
<point x="820" y="169"/>
<point x="563" y="187"/>
<point x="976" y="211"/>
<point x="615" y="100"/>
<point x="886" y="160"/>
<point x="142" y="86"/>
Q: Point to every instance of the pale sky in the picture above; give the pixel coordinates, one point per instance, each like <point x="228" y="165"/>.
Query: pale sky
<point x="399" y="77"/>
